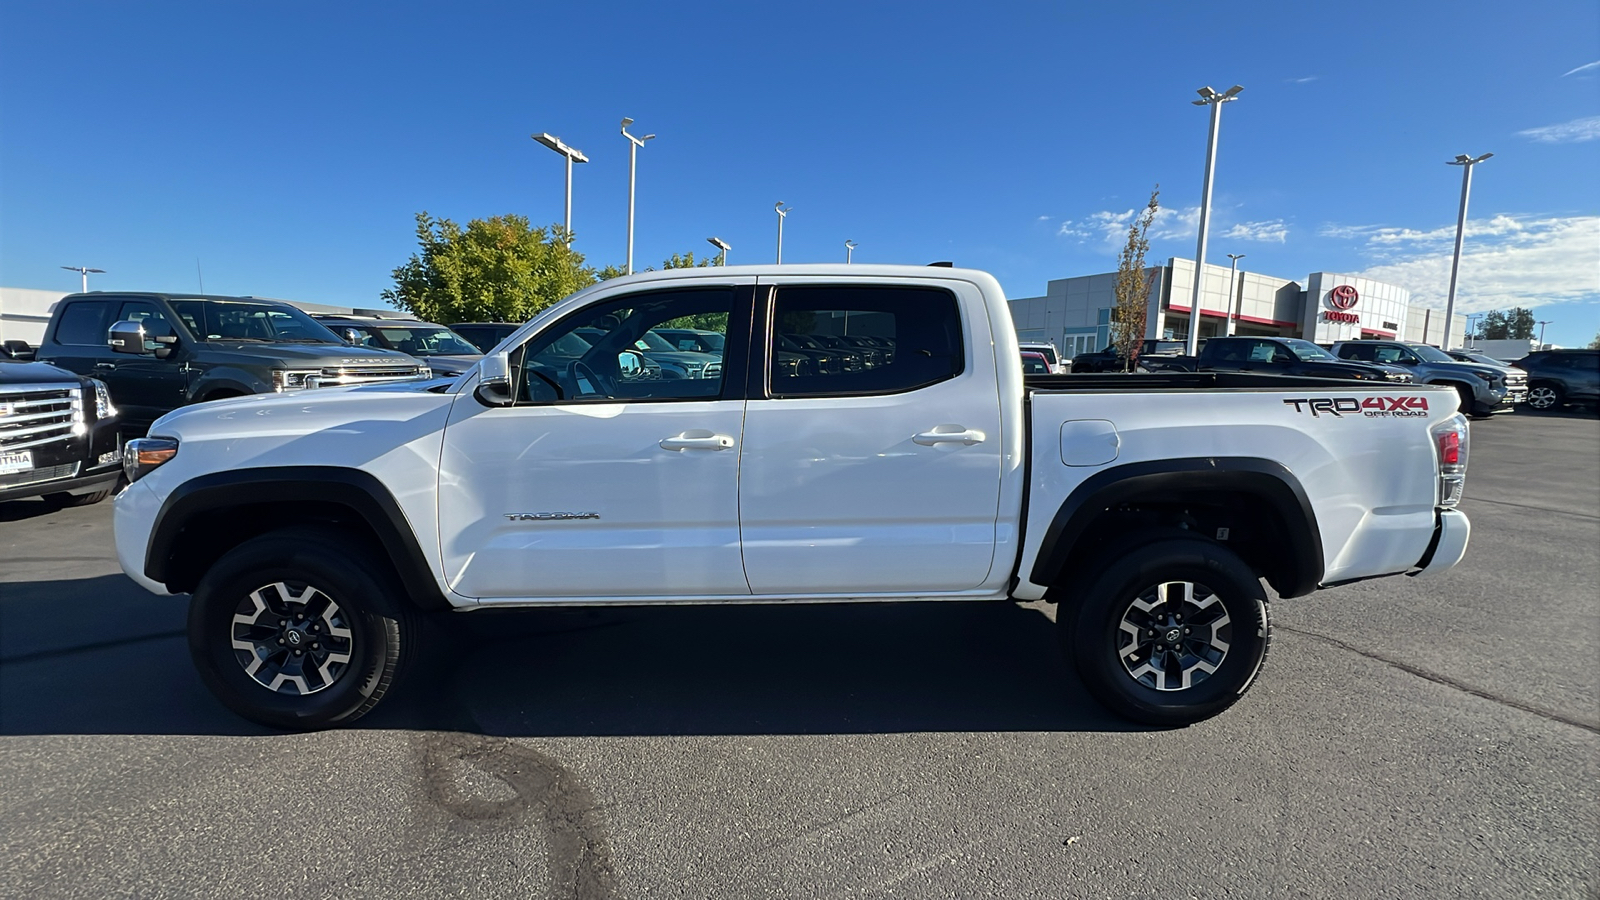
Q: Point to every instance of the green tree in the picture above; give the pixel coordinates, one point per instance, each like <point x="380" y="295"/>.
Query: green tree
<point x="1131" y="291"/>
<point x="1595" y="344"/>
<point x="1501" y="325"/>
<point x="498" y="269"/>
<point x="687" y="261"/>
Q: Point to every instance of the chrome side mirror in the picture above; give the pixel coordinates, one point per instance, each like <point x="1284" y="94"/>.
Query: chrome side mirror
<point x="494" y="380"/>
<point x="128" y="337"/>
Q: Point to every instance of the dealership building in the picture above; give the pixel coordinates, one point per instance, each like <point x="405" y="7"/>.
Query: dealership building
<point x="1075" y="313"/>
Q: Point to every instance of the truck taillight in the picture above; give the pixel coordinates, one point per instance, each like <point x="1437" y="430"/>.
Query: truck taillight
<point x="1450" y="437"/>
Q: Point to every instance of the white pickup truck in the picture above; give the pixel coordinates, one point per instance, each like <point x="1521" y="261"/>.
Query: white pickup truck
<point x="318" y="530"/>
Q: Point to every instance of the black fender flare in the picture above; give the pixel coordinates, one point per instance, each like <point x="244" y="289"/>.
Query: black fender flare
<point x="359" y="491"/>
<point x="1262" y="478"/>
<point x="213" y="380"/>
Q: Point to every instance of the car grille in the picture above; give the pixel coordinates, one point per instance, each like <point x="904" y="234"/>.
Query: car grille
<point x="1401" y="377"/>
<point x="35" y="476"/>
<point x="1517" y="381"/>
<point x="343" y="376"/>
<point x="39" y="414"/>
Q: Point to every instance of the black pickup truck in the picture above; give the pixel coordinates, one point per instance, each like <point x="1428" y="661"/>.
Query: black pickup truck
<point x="58" y="436"/>
<point x="157" y="352"/>
<point x="1109" y="360"/>
<point x="1273" y="356"/>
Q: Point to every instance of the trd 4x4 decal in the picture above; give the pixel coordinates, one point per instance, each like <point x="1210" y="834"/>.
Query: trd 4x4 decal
<point x="1371" y="407"/>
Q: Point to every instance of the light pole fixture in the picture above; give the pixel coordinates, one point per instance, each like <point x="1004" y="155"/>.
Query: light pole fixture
<point x="634" y="143"/>
<point x="849" y="250"/>
<point x="783" y="213"/>
<point x="573" y="155"/>
<point x="1542" y="324"/>
<point x="81" y="270"/>
<point x="1466" y="163"/>
<point x="1231" y="301"/>
<point x="722" y="245"/>
<point x="1470" y="331"/>
<point x="1211" y="98"/>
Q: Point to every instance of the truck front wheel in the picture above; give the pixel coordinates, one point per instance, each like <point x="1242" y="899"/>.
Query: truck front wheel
<point x="299" y="629"/>
<point x="1169" y="633"/>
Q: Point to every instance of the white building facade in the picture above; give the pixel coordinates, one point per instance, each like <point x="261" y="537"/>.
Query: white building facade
<point x="1075" y="313"/>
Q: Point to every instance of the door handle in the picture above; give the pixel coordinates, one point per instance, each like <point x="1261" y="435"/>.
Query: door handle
<point x="949" y="434"/>
<point x="105" y="365"/>
<point x="697" y="440"/>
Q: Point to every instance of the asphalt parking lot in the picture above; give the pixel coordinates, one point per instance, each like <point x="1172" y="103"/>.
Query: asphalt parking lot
<point x="1409" y="738"/>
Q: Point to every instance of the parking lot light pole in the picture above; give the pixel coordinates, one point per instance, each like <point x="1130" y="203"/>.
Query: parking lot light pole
<point x="1542" y="324"/>
<point x="1231" y="273"/>
<point x="783" y="213"/>
<point x="634" y="143"/>
<point x="722" y="245"/>
<point x="849" y="250"/>
<point x="1466" y="163"/>
<point x="573" y="155"/>
<point x="1470" y="331"/>
<point x="1211" y="98"/>
<point x="84" y="271"/>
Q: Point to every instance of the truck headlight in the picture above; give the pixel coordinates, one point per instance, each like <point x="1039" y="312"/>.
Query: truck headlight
<point x="144" y="455"/>
<point x="102" y="400"/>
<point x="296" y="379"/>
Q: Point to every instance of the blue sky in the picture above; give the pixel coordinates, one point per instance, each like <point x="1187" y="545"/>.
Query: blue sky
<point x="288" y="146"/>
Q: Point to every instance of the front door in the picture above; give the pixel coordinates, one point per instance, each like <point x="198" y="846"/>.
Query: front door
<point x="146" y="387"/>
<point x="882" y="479"/>
<point x="606" y="477"/>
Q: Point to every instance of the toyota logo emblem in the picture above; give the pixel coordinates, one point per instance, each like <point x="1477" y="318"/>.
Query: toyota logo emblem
<point x="1343" y="297"/>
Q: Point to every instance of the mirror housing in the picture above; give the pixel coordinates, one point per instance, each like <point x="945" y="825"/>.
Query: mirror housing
<point x="630" y="363"/>
<point x="494" y="380"/>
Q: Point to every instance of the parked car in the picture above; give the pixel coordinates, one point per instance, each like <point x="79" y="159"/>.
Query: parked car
<point x="1047" y="349"/>
<point x="1484" y="390"/>
<point x="446" y="353"/>
<point x="1559" y="377"/>
<point x="58" y="435"/>
<point x="657" y="350"/>
<point x="1274" y="356"/>
<point x="1151" y="516"/>
<point x="484" y="335"/>
<point x="158" y="352"/>
<point x="848" y="359"/>
<point x="791" y="362"/>
<point x="1034" y="363"/>
<point x="1110" y="360"/>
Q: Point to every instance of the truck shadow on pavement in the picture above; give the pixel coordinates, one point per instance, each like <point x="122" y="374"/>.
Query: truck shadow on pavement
<point x="101" y="656"/>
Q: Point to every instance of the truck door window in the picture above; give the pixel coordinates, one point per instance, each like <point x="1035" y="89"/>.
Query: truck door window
<point x="84" y="323"/>
<point x="1261" y="351"/>
<point x="147" y="315"/>
<point x="916" y="332"/>
<point x="610" y="352"/>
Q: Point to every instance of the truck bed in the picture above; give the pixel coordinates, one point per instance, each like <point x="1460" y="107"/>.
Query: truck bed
<point x="1199" y="381"/>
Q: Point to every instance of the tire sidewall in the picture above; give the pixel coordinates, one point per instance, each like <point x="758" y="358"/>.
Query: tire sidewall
<point x="1095" y="639"/>
<point x="341" y="576"/>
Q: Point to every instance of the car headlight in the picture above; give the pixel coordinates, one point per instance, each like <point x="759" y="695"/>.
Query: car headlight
<point x="296" y="379"/>
<point x="103" y="409"/>
<point x="144" y="455"/>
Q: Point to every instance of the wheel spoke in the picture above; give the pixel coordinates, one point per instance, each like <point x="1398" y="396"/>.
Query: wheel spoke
<point x="1180" y="629"/>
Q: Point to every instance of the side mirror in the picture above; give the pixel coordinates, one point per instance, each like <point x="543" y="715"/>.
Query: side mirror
<point x="16" y="350"/>
<point x="354" y="336"/>
<point x="129" y="337"/>
<point x="631" y="363"/>
<point x="494" y="381"/>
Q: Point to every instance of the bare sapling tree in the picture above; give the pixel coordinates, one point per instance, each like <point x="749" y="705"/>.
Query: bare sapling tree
<point x="1130" y="296"/>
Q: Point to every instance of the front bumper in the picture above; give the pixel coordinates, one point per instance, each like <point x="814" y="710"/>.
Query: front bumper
<point x="1450" y="533"/>
<point x="133" y="517"/>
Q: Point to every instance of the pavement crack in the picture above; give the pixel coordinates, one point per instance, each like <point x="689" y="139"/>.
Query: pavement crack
<point x="1543" y="509"/>
<point x="90" y="648"/>
<point x="1450" y="682"/>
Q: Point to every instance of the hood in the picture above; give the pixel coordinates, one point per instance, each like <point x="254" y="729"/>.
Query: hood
<point x="451" y="366"/>
<point x="1487" y="373"/>
<point x="1355" y="365"/>
<point x="312" y="355"/>
<point x="19" y="373"/>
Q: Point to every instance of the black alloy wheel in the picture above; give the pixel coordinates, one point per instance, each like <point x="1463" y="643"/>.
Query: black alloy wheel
<point x="1170" y="633"/>
<point x="300" y="629"/>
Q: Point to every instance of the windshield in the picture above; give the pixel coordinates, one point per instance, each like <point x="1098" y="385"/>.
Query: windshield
<point x="1309" y="352"/>
<point x="1430" y="354"/>
<point x="654" y="342"/>
<point x="227" y="320"/>
<point x="416" y="340"/>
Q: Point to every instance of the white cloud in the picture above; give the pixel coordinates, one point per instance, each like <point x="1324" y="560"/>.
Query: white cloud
<point x="1506" y="260"/>
<point x="1583" y="68"/>
<point x="1112" y="227"/>
<point x="1305" y="80"/>
<point x="1574" y="132"/>
<point x="1044" y="218"/>
<point x="1274" y="231"/>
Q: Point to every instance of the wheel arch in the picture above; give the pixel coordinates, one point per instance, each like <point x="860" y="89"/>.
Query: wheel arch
<point x="1271" y="523"/>
<point x="205" y="517"/>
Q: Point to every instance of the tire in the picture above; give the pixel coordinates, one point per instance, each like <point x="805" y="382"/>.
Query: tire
<point x="355" y="620"/>
<point x="1163" y="677"/>
<point x="64" y="500"/>
<point x="1468" y="402"/>
<point x="1545" y="397"/>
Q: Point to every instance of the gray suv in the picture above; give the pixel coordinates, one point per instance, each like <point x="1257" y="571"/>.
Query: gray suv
<point x="1484" y="390"/>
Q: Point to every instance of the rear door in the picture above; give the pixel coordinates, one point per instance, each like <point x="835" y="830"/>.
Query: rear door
<point x="78" y="341"/>
<point x="879" y="480"/>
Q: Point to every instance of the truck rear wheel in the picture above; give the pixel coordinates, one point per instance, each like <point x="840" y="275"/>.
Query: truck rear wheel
<point x="1170" y="633"/>
<point x="299" y="629"/>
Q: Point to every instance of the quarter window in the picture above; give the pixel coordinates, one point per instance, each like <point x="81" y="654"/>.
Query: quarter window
<point x="853" y="340"/>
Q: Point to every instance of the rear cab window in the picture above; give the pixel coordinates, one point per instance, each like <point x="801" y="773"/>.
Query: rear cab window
<point x="914" y="340"/>
<point x="84" y="322"/>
